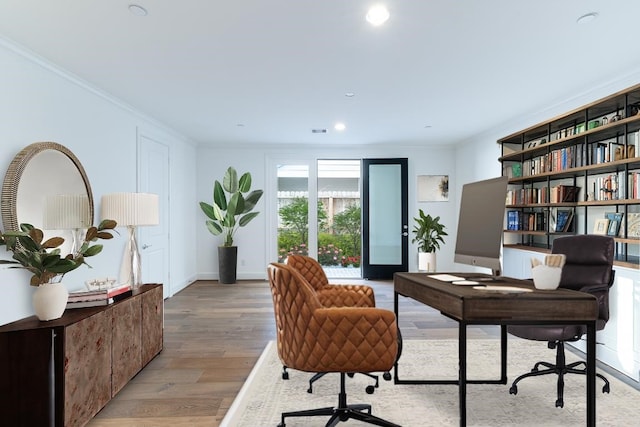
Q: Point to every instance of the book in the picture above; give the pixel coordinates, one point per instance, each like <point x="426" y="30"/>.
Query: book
<point x="85" y="304"/>
<point x="118" y="292"/>
<point x="562" y="219"/>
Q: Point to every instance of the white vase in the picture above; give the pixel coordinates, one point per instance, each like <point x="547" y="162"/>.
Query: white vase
<point x="50" y="300"/>
<point x="427" y="261"/>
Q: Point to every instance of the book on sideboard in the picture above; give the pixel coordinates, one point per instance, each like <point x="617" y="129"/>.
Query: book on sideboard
<point x="98" y="297"/>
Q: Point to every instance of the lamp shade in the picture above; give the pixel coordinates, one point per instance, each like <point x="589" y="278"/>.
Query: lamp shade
<point x="66" y="212"/>
<point x="131" y="209"/>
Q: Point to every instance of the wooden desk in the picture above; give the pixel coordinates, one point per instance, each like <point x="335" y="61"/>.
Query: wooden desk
<point x="470" y="306"/>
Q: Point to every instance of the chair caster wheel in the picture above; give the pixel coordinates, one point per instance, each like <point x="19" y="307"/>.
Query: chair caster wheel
<point x="606" y="389"/>
<point x="370" y="389"/>
<point x="513" y="389"/>
<point x="559" y="403"/>
<point x="387" y="376"/>
<point x="309" y="390"/>
<point x="285" y="375"/>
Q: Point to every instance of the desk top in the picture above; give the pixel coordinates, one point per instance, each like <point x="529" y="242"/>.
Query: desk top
<point x="466" y="303"/>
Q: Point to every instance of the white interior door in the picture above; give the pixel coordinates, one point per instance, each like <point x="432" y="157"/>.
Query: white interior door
<point x="153" y="241"/>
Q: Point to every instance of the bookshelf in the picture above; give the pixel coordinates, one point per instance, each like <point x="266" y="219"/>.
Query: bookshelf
<point x="577" y="173"/>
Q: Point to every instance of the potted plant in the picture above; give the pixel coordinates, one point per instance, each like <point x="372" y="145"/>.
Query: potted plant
<point x="43" y="259"/>
<point x="429" y="234"/>
<point x="233" y="203"/>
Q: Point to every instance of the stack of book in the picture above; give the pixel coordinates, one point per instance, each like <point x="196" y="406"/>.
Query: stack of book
<point x="98" y="297"/>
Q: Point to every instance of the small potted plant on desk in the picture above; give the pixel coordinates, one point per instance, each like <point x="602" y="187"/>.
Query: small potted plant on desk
<point x="46" y="264"/>
<point x="428" y="233"/>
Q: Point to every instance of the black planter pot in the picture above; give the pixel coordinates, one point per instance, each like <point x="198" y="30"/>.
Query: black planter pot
<point x="227" y="263"/>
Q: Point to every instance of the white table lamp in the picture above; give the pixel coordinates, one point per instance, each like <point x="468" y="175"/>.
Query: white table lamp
<point x="131" y="210"/>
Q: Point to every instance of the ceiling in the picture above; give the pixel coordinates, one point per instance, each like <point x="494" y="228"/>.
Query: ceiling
<point x="269" y="72"/>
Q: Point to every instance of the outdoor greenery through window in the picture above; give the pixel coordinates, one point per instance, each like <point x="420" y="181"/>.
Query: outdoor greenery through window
<point x="338" y="215"/>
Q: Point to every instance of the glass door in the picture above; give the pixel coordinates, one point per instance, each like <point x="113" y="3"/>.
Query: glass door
<point x="385" y="218"/>
<point x="293" y="210"/>
<point x="339" y="218"/>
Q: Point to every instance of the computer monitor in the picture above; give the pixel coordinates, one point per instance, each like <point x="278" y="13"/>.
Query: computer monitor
<point x="481" y="224"/>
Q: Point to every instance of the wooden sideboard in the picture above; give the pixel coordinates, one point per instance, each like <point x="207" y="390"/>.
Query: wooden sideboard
<point x="63" y="372"/>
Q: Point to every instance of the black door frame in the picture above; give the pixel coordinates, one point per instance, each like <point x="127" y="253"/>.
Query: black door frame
<point x="385" y="271"/>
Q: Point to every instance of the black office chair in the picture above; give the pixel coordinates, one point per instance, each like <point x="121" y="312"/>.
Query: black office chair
<point x="588" y="268"/>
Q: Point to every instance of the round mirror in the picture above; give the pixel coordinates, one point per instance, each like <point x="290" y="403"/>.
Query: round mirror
<point x="46" y="182"/>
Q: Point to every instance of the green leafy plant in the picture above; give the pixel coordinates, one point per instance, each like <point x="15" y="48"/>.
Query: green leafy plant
<point x="43" y="258"/>
<point x="232" y="205"/>
<point x="428" y="232"/>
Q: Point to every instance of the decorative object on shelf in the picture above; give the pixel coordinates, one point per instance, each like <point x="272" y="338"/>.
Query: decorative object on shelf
<point x="633" y="225"/>
<point x="429" y="234"/>
<point x="233" y="203"/>
<point x="43" y="259"/>
<point x="615" y="221"/>
<point x="601" y="226"/>
<point x="131" y="210"/>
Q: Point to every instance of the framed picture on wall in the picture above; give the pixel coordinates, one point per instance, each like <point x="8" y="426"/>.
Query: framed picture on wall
<point x="433" y="188"/>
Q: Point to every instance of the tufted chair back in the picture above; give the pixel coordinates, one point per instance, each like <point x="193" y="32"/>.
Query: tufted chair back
<point x="310" y="269"/>
<point x="315" y="338"/>
<point x="331" y="295"/>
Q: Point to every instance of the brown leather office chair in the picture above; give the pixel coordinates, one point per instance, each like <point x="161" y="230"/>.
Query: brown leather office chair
<point x="333" y="295"/>
<point x="588" y="268"/>
<point x="315" y="338"/>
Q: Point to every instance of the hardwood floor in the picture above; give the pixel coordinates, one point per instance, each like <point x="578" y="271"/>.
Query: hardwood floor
<point x="213" y="335"/>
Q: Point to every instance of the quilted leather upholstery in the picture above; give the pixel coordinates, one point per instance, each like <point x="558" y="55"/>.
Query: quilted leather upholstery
<point x="588" y="268"/>
<point x="315" y="338"/>
<point x="328" y="294"/>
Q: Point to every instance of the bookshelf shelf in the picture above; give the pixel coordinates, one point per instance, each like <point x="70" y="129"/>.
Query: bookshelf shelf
<point x="594" y="150"/>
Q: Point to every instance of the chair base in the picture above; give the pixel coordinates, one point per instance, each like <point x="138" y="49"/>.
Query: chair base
<point x="342" y="412"/>
<point x="370" y="389"/>
<point x="560" y="369"/>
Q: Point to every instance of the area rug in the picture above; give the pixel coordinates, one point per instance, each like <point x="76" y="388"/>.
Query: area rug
<point x="265" y="394"/>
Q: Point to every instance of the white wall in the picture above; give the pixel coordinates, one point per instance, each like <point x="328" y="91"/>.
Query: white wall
<point x="252" y="241"/>
<point x="43" y="103"/>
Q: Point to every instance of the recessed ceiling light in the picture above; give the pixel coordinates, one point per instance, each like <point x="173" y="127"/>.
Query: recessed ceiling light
<point x="587" y="17"/>
<point x="138" y="10"/>
<point x="377" y="15"/>
<point x="349" y="94"/>
<point x="339" y="127"/>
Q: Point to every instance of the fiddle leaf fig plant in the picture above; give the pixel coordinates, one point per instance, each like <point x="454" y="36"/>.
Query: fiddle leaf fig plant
<point x="233" y="203"/>
<point x="428" y="232"/>
<point x="43" y="258"/>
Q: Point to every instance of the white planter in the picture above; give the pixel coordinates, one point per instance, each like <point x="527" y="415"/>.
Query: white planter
<point x="50" y="300"/>
<point x="427" y="261"/>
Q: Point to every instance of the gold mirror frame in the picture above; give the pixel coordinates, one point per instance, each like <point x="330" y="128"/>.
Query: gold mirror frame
<point x="10" y="186"/>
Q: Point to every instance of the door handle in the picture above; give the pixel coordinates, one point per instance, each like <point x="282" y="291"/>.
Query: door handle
<point x="145" y="246"/>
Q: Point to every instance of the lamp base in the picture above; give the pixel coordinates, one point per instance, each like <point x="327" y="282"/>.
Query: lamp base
<point x="131" y="268"/>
